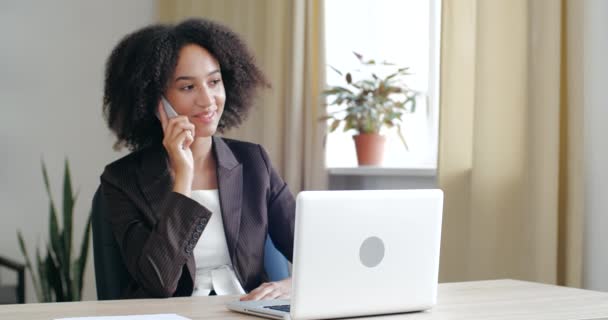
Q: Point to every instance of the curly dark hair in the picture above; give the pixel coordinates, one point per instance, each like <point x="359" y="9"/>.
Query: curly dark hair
<point x="140" y="66"/>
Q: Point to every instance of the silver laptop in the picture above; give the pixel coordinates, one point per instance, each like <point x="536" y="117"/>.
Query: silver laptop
<point x="360" y="253"/>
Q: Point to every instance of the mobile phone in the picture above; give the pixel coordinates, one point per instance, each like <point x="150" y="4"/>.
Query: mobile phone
<point x="171" y="113"/>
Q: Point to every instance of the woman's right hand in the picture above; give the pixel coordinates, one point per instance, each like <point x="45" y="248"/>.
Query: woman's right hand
<point x="177" y="138"/>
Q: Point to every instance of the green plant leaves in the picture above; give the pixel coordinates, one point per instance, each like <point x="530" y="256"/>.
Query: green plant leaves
<point x="68" y="208"/>
<point x="334" y="125"/>
<point x="401" y="137"/>
<point x="372" y="101"/>
<point x="57" y="277"/>
<point x="44" y="284"/>
<point x="336" y="70"/>
<point x="28" y="265"/>
<point x="337" y="90"/>
<point x="54" y="276"/>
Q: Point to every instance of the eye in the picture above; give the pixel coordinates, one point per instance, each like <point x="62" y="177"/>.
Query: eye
<point x="214" y="82"/>
<point x="187" y="88"/>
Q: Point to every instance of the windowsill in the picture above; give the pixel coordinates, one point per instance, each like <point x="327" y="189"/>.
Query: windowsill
<point x="383" y="171"/>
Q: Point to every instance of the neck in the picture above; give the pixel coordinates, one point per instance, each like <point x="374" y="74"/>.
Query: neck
<point x="202" y="153"/>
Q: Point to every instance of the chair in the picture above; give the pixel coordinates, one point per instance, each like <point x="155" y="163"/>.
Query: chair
<point x="13" y="294"/>
<point x="111" y="275"/>
<point x="275" y="263"/>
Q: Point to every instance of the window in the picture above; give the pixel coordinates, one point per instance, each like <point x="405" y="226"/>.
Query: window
<point x="404" y="32"/>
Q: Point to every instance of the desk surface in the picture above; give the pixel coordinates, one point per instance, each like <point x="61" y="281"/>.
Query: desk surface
<point x="496" y="299"/>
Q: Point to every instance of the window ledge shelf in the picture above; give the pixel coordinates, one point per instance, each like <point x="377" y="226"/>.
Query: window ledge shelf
<point x="382" y="171"/>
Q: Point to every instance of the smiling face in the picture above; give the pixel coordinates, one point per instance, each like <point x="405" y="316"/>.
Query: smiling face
<point x="196" y="89"/>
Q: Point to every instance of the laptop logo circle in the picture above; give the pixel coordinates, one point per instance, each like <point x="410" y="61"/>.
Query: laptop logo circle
<point x="371" y="252"/>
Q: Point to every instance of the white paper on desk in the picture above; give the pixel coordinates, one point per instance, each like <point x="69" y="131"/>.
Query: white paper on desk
<point x="168" y="316"/>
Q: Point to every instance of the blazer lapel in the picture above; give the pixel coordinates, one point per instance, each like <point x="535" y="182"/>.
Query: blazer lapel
<point x="230" y="185"/>
<point x="155" y="181"/>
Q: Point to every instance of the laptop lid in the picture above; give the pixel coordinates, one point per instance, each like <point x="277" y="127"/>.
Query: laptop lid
<point x="364" y="253"/>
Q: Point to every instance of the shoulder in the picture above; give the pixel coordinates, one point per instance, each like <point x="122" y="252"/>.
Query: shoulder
<point x="124" y="168"/>
<point x="240" y="145"/>
<point x="247" y="153"/>
<point x="242" y="148"/>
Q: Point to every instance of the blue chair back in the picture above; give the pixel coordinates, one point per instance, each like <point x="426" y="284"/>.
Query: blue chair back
<point x="275" y="263"/>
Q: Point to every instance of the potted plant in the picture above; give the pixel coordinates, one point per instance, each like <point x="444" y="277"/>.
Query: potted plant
<point x="370" y="103"/>
<point x="56" y="277"/>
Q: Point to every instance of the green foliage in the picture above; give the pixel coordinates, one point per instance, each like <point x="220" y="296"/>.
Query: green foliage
<point x="371" y="102"/>
<point x="56" y="277"/>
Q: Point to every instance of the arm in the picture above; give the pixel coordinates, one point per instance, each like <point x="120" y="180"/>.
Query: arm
<point x="155" y="256"/>
<point x="281" y="220"/>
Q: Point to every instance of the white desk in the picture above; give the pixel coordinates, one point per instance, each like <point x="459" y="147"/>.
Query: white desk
<point x="497" y="299"/>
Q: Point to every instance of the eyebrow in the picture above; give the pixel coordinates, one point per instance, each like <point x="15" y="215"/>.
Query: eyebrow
<point x="193" y="78"/>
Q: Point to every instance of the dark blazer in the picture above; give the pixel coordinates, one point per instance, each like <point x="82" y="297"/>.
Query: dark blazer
<point x="156" y="229"/>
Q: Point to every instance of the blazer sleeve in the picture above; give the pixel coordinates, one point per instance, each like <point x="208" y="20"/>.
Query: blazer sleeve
<point x="155" y="255"/>
<point x="281" y="210"/>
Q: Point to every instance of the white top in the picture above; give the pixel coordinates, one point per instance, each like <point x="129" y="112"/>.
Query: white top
<point x="213" y="266"/>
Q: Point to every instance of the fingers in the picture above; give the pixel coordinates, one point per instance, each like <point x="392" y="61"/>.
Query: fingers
<point x="185" y="139"/>
<point x="168" y="123"/>
<point x="257" y="293"/>
<point x="272" y="290"/>
<point x="178" y="132"/>
<point x="275" y="294"/>
<point x="178" y="125"/>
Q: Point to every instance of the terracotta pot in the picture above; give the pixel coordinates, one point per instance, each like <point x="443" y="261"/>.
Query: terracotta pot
<point x="370" y="148"/>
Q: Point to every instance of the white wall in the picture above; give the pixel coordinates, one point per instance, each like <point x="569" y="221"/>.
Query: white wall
<point x="595" y="30"/>
<point x="52" y="57"/>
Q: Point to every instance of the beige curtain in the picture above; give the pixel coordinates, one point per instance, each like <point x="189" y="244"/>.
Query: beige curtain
<point x="287" y="39"/>
<point x="510" y="151"/>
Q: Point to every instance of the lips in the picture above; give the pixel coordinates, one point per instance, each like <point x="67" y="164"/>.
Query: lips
<point x="205" y="117"/>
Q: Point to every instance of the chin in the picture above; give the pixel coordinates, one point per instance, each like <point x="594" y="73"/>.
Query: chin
<point x="205" y="132"/>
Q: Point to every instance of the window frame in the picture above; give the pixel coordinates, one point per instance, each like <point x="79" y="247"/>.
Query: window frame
<point x="432" y="100"/>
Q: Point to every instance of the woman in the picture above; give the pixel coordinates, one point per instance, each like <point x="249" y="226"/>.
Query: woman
<point x="190" y="211"/>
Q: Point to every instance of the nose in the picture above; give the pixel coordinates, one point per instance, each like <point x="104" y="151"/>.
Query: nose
<point x="205" y="97"/>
